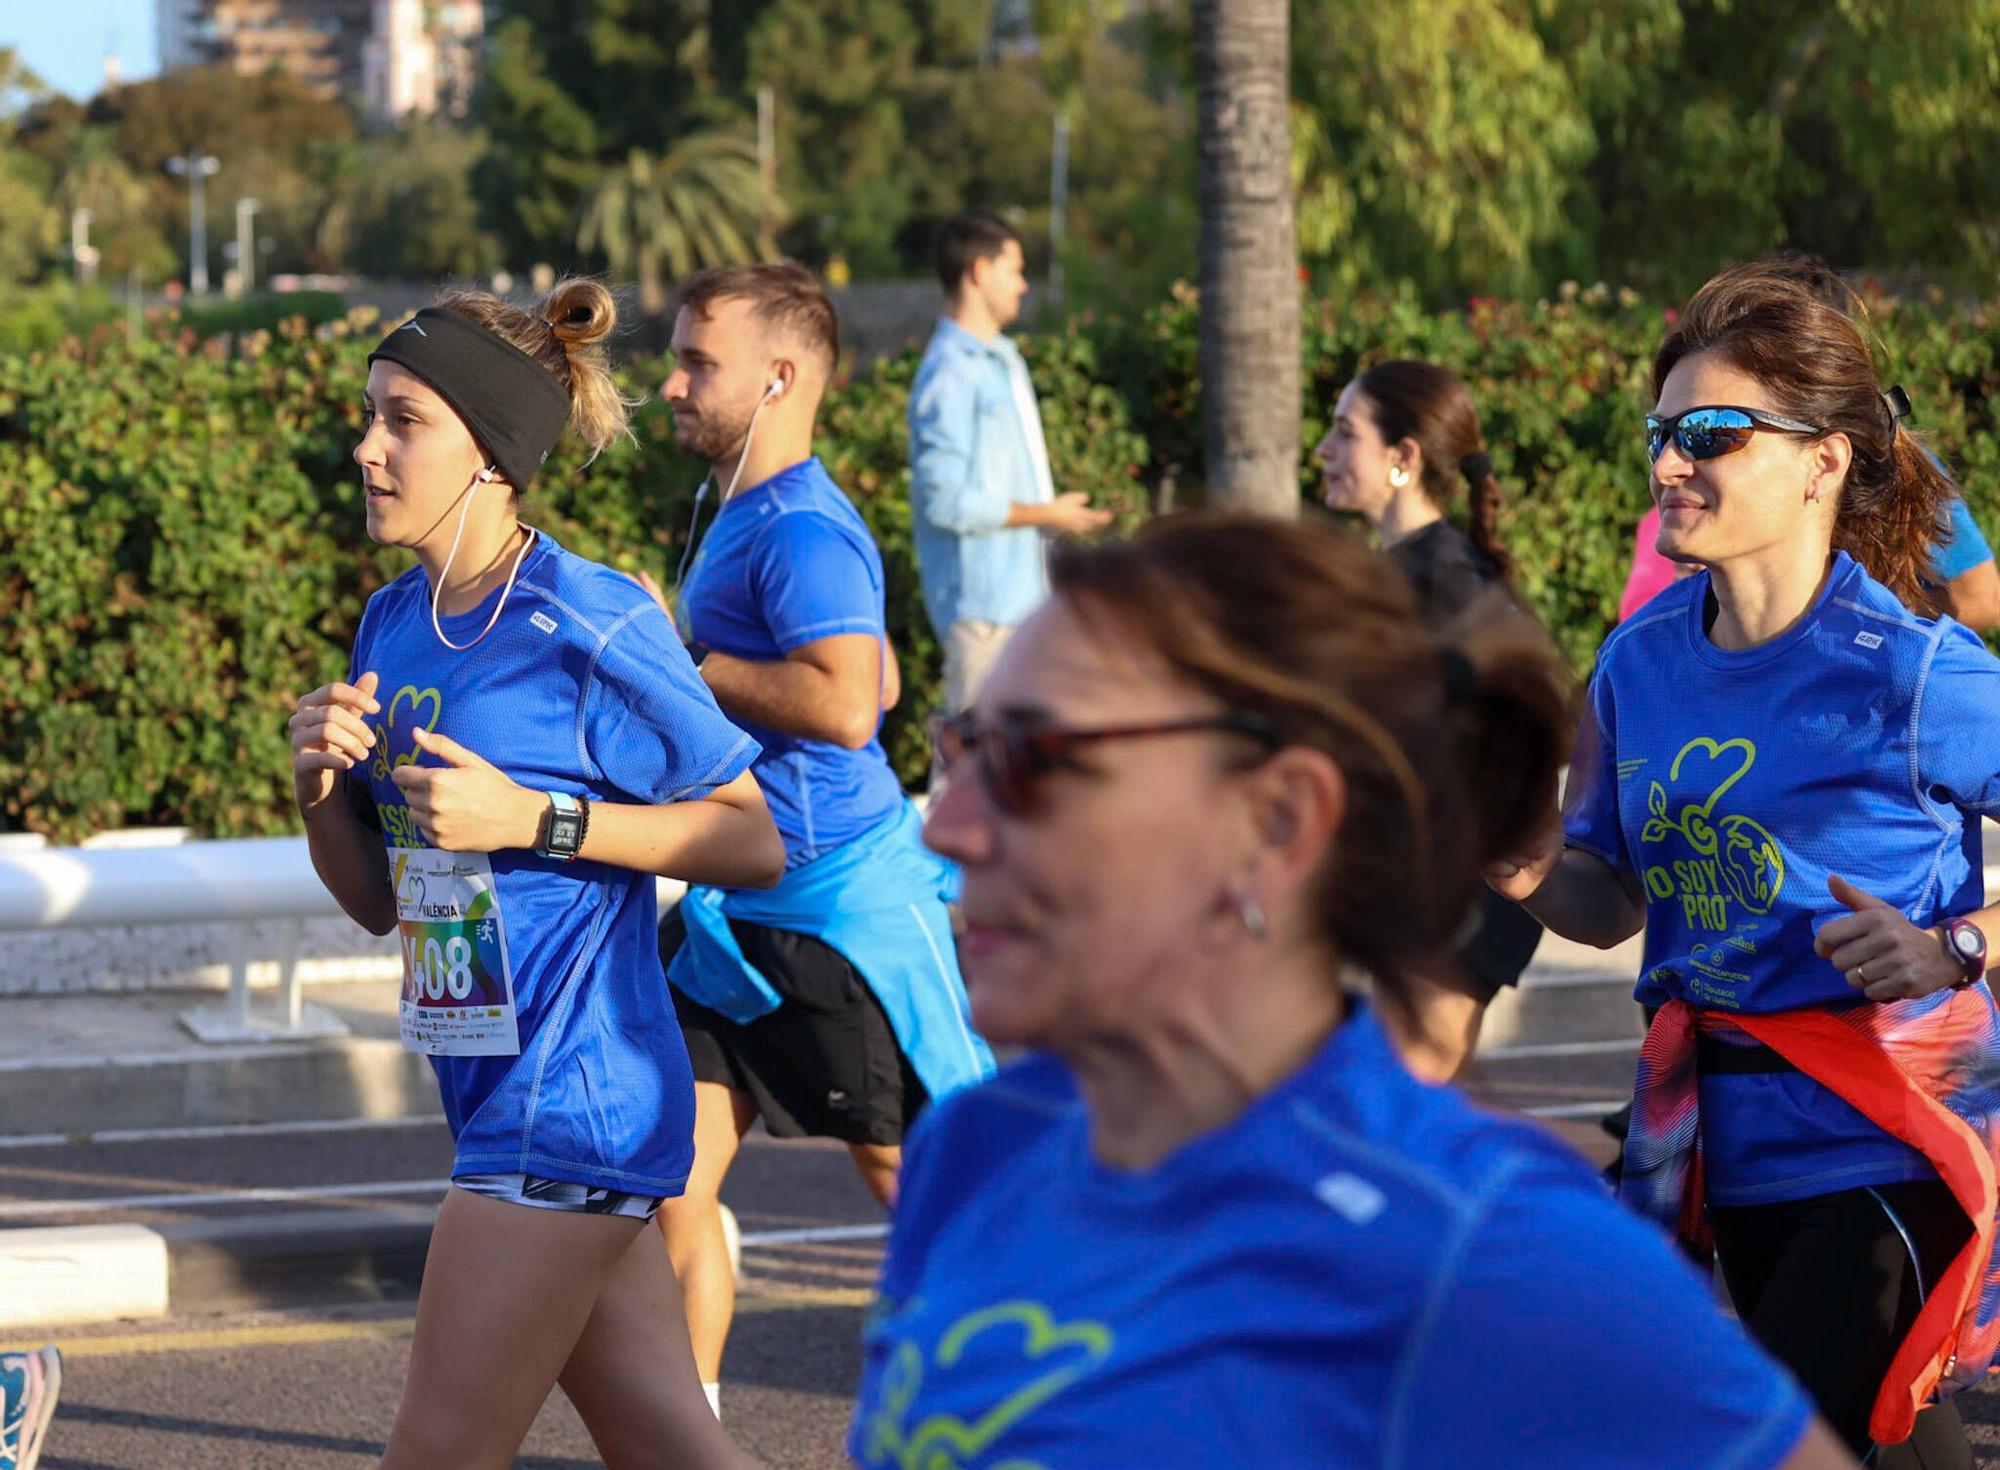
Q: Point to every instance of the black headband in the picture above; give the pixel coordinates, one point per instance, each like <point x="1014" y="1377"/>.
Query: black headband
<point x="514" y="406"/>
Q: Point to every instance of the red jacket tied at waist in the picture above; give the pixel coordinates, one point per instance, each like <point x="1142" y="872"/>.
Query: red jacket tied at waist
<point x="1926" y="1078"/>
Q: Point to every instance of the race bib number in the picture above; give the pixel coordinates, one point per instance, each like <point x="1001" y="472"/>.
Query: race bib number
<point x="458" y="986"/>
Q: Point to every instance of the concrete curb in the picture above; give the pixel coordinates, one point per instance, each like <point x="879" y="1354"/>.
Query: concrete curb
<point x="82" y="1273"/>
<point x="274" y="1082"/>
<point x="67" y="1275"/>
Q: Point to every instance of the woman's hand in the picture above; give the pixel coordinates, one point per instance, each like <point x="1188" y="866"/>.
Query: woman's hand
<point x="1883" y="954"/>
<point x="1518" y="877"/>
<point x="329" y="736"/>
<point x="468" y="805"/>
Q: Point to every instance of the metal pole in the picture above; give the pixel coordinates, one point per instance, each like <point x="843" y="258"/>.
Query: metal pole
<point x="246" y="244"/>
<point x="197" y="230"/>
<point x="197" y="165"/>
<point x="767" y="170"/>
<point x="79" y="246"/>
<point x="1058" y="204"/>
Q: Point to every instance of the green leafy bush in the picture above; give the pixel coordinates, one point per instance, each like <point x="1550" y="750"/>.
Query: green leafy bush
<point x="181" y="551"/>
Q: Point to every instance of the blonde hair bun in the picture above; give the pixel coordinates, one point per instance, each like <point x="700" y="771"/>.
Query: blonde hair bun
<point x="580" y="312"/>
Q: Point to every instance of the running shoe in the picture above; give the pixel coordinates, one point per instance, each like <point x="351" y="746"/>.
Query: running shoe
<point x="29" y="1385"/>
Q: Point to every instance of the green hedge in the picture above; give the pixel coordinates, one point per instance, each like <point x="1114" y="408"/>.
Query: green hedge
<point x="1562" y="387"/>
<point x="181" y="553"/>
<point x="180" y="526"/>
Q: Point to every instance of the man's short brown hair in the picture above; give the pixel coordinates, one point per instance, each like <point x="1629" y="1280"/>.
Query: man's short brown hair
<point x="784" y="296"/>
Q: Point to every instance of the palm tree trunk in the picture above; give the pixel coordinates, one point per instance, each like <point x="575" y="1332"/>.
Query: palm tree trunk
<point x="1249" y="339"/>
<point x="652" y="295"/>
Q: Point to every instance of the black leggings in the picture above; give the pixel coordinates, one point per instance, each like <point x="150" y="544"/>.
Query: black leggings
<point x="1828" y="1286"/>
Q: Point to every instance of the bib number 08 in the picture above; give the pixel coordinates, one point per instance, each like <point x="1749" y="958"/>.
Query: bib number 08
<point x="439" y="969"/>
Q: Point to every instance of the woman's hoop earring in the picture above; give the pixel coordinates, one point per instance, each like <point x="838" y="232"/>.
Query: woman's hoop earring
<point x="1399" y="477"/>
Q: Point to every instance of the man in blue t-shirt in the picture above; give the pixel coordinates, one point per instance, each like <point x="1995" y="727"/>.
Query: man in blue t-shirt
<point x="1963" y="567"/>
<point x="830" y="1005"/>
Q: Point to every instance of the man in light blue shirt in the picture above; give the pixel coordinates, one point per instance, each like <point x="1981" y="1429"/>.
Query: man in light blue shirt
<point x="981" y="496"/>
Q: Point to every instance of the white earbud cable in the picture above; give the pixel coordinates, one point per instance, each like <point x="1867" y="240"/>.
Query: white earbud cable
<point x="694" y="521"/>
<point x="437" y="592"/>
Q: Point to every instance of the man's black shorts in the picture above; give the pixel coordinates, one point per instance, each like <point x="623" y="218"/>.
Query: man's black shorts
<point x="825" y="1063"/>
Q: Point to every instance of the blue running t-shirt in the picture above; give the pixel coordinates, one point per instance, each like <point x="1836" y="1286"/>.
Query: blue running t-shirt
<point x="1359" y="1271"/>
<point x="1863" y="741"/>
<point x="582" y="686"/>
<point x="1962" y="547"/>
<point x="788" y="562"/>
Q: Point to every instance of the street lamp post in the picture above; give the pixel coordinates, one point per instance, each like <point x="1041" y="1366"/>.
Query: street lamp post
<point x="246" y="244"/>
<point x="197" y="165"/>
<point x="80" y="249"/>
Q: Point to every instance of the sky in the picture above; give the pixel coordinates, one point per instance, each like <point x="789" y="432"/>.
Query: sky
<point x="64" y="44"/>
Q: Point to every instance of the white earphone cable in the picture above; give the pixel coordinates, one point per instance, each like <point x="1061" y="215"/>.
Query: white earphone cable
<point x="437" y="592"/>
<point x="694" y="521"/>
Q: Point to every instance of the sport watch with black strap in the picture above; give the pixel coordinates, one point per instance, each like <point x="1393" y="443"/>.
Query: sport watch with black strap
<point x="564" y="826"/>
<point x="1966" y="945"/>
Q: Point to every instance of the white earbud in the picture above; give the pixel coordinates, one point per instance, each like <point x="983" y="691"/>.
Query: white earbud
<point x="485" y="475"/>
<point x="777" y="387"/>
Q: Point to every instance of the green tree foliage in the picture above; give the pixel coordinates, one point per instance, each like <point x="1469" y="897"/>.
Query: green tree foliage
<point x="275" y="137"/>
<point x="1862" y="131"/>
<point x="1435" y="142"/>
<point x="698" y="205"/>
<point x="571" y="88"/>
<point x="96" y="178"/>
<point x="841" y="68"/>
<point x="403" y="206"/>
<point x="27" y="235"/>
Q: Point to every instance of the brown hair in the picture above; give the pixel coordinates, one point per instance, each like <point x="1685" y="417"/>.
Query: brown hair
<point x="564" y="332"/>
<point x="1767" y="320"/>
<point x="786" y="297"/>
<point x="1449" y="743"/>
<point x="1430" y="404"/>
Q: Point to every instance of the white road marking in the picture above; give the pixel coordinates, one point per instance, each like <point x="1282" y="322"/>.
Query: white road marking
<point x="306" y="1194"/>
<point x="1557" y="1049"/>
<point x="216" y="1130"/>
<point x="1578" y="1110"/>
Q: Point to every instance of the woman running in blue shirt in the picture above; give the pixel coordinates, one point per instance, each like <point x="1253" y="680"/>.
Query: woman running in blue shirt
<point x="1211" y="1219"/>
<point x="522" y="744"/>
<point x="1781" y="775"/>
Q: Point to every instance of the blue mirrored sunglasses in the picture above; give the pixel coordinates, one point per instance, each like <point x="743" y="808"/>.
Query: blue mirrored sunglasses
<point x="1715" y="430"/>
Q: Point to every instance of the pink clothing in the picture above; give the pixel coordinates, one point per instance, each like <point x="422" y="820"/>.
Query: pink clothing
<point x="1651" y="573"/>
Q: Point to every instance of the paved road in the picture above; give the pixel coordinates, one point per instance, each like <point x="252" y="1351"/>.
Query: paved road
<point x="317" y="1388"/>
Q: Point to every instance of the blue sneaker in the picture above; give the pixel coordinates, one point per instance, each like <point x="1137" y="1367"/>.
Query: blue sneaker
<point x="29" y="1385"/>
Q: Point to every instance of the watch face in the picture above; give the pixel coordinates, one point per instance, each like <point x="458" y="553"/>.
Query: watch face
<point x="565" y="832"/>
<point x="1968" y="941"/>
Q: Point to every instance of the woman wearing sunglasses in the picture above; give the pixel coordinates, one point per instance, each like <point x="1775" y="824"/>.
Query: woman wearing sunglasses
<point x="1212" y="1219"/>
<point x="1404" y="443"/>
<point x="1780" y="775"/>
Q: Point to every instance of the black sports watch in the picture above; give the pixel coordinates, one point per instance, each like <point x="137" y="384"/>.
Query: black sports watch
<point x="1966" y="944"/>
<point x="563" y="827"/>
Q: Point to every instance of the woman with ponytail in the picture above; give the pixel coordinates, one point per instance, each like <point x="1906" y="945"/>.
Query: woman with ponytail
<point x="1405" y="442"/>
<point x="1210" y="1218"/>
<point x="1781" y="773"/>
<point x="520" y="747"/>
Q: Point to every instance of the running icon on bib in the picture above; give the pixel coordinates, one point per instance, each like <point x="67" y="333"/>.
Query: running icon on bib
<point x="458" y="987"/>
